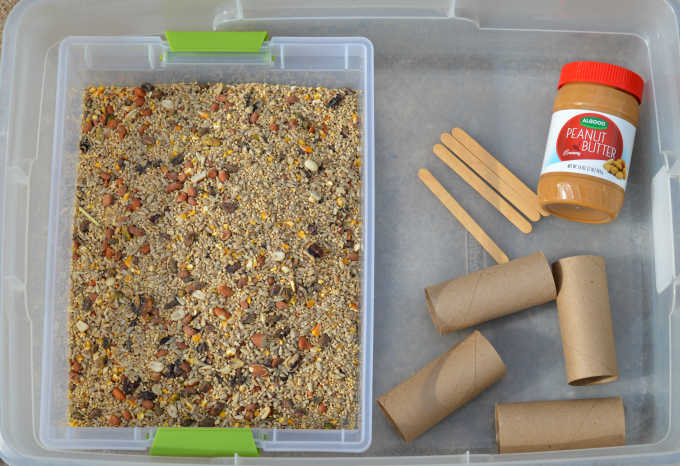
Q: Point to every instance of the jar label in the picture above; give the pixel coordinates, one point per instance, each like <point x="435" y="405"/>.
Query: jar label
<point x="589" y="143"/>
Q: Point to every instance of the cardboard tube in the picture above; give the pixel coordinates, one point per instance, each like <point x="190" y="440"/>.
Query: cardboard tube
<point x="490" y="293"/>
<point x="585" y="320"/>
<point x="441" y="387"/>
<point x="560" y="425"/>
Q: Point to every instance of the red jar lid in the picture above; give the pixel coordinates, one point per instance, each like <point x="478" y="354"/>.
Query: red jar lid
<point x="602" y="73"/>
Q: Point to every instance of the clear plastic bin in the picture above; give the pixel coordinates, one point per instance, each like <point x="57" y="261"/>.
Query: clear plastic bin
<point x="488" y="66"/>
<point x="334" y="63"/>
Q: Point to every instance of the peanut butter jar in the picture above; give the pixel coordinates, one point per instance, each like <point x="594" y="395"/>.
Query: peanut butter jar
<point x="590" y="143"/>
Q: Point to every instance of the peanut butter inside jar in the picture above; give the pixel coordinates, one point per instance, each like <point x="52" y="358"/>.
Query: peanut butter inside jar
<point x="587" y="159"/>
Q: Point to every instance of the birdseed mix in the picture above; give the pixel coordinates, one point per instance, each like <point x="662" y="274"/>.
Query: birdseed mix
<point x="217" y="247"/>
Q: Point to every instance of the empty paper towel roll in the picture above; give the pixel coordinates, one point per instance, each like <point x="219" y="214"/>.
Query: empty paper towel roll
<point x="560" y="425"/>
<point x="585" y="320"/>
<point x="441" y="387"/>
<point x="491" y="293"/>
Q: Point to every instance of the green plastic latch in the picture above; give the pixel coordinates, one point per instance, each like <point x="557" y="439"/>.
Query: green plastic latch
<point x="206" y="442"/>
<point x="216" y="41"/>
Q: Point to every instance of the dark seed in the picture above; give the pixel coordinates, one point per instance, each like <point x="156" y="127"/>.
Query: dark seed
<point x="95" y="413"/>
<point x="233" y="268"/>
<point x="172" y="304"/>
<point x="148" y="140"/>
<point x="315" y="250"/>
<point x="282" y="333"/>
<point x="129" y="387"/>
<point x="274" y="290"/>
<point x="207" y="422"/>
<point x="187" y="421"/>
<point x="164" y="340"/>
<point x="231" y="168"/>
<point x="273" y="319"/>
<point x="194" y="286"/>
<point x="87" y="304"/>
<point x="229" y="207"/>
<point x="136" y="231"/>
<point x="334" y="102"/>
<point x="165" y="236"/>
<point x="85" y="144"/>
<point x="189" y="239"/>
<point x="248" y="318"/>
<point x="106" y="343"/>
<point x="311" y="228"/>
<point x="299" y="412"/>
<point x="85" y="226"/>
<point x="147" y="87"/>
<point x="324" y="340"/>
<point x="176" y="160"/>
<point x="216" y="409"/>
<point x="148" y="395"/>
<point x="287" y="403"/>
<point x="155" y="218"/>
<point x="172" y="266"/>
<point x="141" y="305"/>
<point x="141" y="168"/>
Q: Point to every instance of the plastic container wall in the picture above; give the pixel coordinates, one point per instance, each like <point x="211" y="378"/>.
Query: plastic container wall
<point x="490" y="67"/>
<point x="128" y="61"/>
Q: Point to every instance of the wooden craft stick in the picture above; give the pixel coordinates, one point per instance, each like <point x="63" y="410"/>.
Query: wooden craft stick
<point x="462" y="216"/>
<point x="498" y="168"/>
<point x="492" y="178"/>
<point x="482" y="188"/>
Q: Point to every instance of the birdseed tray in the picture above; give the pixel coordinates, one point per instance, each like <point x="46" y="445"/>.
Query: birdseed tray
<point x="216" y="269"/>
